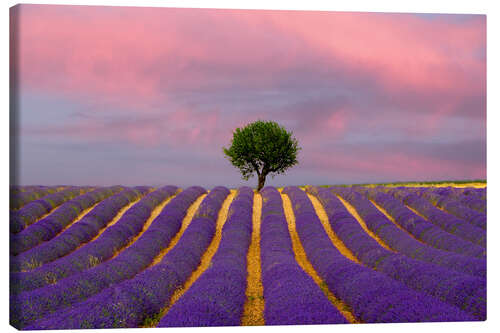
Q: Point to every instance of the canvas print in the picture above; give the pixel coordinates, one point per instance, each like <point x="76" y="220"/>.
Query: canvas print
<point x="177" y="167"/>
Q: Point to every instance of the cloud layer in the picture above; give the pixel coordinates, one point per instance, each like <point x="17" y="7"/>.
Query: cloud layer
<point x="370" y="96"/>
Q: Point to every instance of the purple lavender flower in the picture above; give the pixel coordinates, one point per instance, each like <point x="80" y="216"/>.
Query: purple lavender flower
<point x="426" y="231"/>
<point x="81" y="232"/>
<point x="372" y="296"/>
<point x="128" y="303"/>
<point x="457" y="208"/>
<point x="422" y="276"/>
<point x="442" y="219"/>
<point x="218" y="296"/>
<point x="28" y="214"/>
<point x="48" y="227"/>
<point x="20" y="198"/>
<point x="291" y="295"/>
<point x="29" y="306"/>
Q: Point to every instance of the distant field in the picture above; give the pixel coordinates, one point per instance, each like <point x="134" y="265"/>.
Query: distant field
<point x="102" y="257"/>
<point x="476" y="183"/>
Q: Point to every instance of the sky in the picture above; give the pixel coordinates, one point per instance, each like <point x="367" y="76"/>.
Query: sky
<point x="150" y="96"/>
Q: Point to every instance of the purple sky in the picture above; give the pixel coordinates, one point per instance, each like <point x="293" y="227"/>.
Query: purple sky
<point x="149" y="96"/>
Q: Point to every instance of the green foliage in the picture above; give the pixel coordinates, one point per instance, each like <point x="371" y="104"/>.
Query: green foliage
<point x="262" y="147"/>
<point x="31" y="264"/>
<point x="51" y="278"/>
<point x="93" y="261"/>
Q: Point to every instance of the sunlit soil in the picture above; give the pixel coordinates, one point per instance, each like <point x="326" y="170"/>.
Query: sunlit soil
<point x="301" y="258"/>
<point x="55" y="208"/>
<point x="354" y="213"/>
<point x="383" y="211"/>
<point x="78" y="218"/>
<point x="36" y="263"/>
<point x="156" y="211"/>
<point x="82" y="214"/>
<point x="323" y="217"/>
<point x="206" y="258"/>
<point x="185" y="223"/>
<point x="416" y="212"/>
<point x="113" y="221"/>
<point x="451" y="184"/>
<point x="253" y="311"/>
<point x="475" y="185"/>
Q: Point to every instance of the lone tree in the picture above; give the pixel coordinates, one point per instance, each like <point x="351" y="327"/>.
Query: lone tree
<point x="263" y="147"/>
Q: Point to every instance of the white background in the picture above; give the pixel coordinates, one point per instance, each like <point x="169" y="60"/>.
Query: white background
<point x="421" y="6"/>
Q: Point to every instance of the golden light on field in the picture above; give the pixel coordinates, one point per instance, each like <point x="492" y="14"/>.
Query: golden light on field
<point x="185" y="223"/>
<point x="207" y="256"/>
<point x="156" y="211"/>
<point x="253" y="311"/>
<point x="323" y="217"/>
<point x="360" y="220"/>
<point x="301" y="258"/>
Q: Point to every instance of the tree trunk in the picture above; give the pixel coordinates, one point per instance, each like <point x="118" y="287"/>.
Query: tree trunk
<point x="262" y="181"/>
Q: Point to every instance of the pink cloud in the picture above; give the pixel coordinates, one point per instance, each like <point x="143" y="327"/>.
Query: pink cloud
<point x="392" y="165"/>
<point x="126" y="55"/>
<point x="337" y="121"/>
<point x="187" y="77"/>
<point x="403" y="50"/>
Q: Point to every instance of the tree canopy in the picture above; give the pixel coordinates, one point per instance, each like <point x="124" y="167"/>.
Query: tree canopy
<point x="262" y="148"/>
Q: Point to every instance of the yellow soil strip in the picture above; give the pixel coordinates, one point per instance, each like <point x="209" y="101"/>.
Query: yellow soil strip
<point x="440" y="208"/>
<point x="417" y="213"/>
<point x="47" y="214"/>
<point x="253" y="311"/>
<point x="383" y="211"/>
<point x="37" y="198"/>
<point x="156" y="211"/>
<point x="475" y="185"/>
<point x="78" y="218"/>
<point x="35" y="263"/>
<point x="207" y="256"/>
<point x="323" y="217"/>
<point x="184" y="224"/>
<point x="301" y="258"/>
<point x="354" y="213"/>
<point x="57" y="207"/>
<point x="115" y="219"/>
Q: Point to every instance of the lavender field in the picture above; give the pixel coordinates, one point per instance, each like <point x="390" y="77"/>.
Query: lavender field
<point x="102" y="257"/>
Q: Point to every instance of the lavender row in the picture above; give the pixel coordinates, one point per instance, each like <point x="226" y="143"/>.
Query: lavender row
<point x="443" y="220"/>
<point x="29" y="214"/>
<point x="474" y="203"/>
<point x="291" y="295"/>
<point x="474" y="199"/>
<point x="143" y="189"/>
<point x="129" y="303"/>
<point x="77" y="234"/>
<point x="18" y="199"/>
<point x="399" y="240"/>
<point x="471" y="197"/>
<point x="29" y="306"/>
<point x="479" y="193"/>
<point x="424" y="230"/>
<point x="456" y="208"/>
<point x="49" y="226"/>
<point x="218" y="296"/>
<point x="462" y="290"/>
<point x="103" y="248"/>
<point x="15" y="189"/>
<point x="372" y="295"/>
<point x="25" y="188"/>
